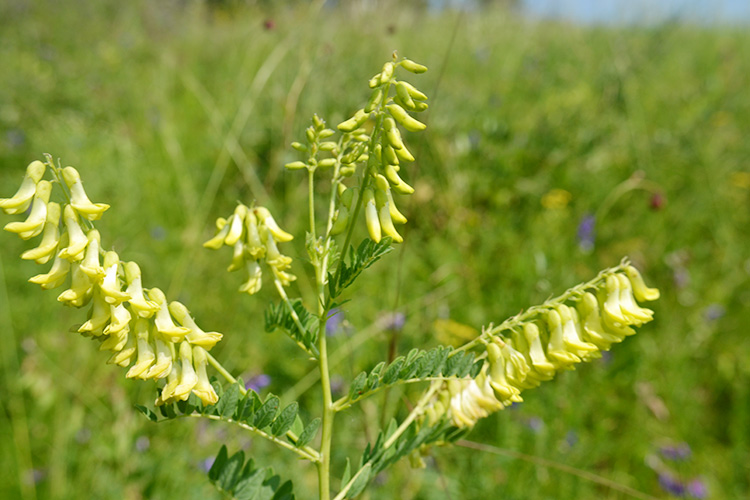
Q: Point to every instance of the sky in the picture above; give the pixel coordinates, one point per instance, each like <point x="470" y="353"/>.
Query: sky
<point x="609" y="11"/>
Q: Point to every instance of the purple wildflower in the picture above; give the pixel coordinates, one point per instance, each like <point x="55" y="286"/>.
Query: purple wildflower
<point x="394" y="321"/>
<point x="536" y="424"/>
<point x="677" y="452"/>
<point x="586" y="233"/>
<point x="714" y="312"/>
<point x="671" y="484"/>
<point x="335" y="320"/>
<point x="696" y="488"/>
<point x="205" y="465"/>
<point x="258" y="382"/>
<point x="142" y="443"/>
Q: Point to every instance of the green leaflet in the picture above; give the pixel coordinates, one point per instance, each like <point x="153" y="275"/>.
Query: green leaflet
<point x="248" y="409"/>
<point x="243" y="481"/>
<point x="279" y="317"/>
<point x="366" y="255"/>
<point x="417" y="365"/>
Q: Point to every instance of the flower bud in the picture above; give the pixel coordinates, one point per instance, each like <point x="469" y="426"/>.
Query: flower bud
<point x="402" y="117"/>
<point x="557" y="351"/>
<point x="398" y="183"/>
<point x="413" y="67"/>
<point x="403" y="94"/>
<point x="384" y="214"/>
<point x="222" y="226"/>
<point x="353" y="123"/>
<point x="371" y="216"/>
<point x="19" y="202"/>
<point x="375" y="99"/>
<point x="236" y="223"/>
<point x="295" y="165"/>
<point x="413" y="91"/>
<point x="593" y="331"/>
<point x="341" y="221"/>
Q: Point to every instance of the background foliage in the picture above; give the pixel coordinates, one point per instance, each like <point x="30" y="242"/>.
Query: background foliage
<point x="172" y="111"/>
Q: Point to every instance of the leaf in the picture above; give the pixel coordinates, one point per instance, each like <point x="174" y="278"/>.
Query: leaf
<point x="147" y="412"/>
<point x="360" y="482"/>
<point x="229" y="475"/>
<point x="218" y="465"/>
<point x="309" y="433"/>
<point x="391" y="373"/>
<point x="244" y="481"/>
<point x="227" y="403"/>
<point x="347" y="473"/>
<point x="366" y="255"/>
<point x="285" y="420"/>
<point x="358" y="384"/>
<point x="266" y="413"/>
<point x="279" y="317"/>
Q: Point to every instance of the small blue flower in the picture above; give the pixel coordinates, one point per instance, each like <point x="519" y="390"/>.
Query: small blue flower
<point x="258" y="382"/>
<point x="587" y="233"/>
<point x="677" y="452"/>
<point x="671" y="484"/>
<point x="335" y="320"/>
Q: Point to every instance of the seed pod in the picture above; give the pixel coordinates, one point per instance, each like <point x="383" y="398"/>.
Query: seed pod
<point x="347" y="196"/>
<point x="413" y="67"/>
<point x="401" y="116"/>
<point x="371" y="216"/>
<point x="353" y="123"/>
<point x="375" y="99"/>
<point x="403" y="93"/>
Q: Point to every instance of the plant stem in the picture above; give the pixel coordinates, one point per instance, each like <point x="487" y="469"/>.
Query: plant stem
<point x="295" y="317"/>
<point x="311" y="201"/>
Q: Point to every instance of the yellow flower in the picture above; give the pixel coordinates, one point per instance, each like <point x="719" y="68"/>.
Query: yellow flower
<point x="19" y="202"/>
<point x="34" y="223"/>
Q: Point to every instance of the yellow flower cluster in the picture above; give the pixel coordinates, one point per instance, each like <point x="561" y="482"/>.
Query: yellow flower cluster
<point x="135" y="324"/>
<point x="557" y="338"/>
<point x="389" y="152"/>
<point x="253" y="234"/>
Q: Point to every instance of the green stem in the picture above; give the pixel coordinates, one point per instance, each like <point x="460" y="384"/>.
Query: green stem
<point x="224" y="372"/>
<point x="311" y="201"/>
<point x="416" y="412"/>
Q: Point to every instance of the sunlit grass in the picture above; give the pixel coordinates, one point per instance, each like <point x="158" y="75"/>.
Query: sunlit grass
<point x="172" y="113"/>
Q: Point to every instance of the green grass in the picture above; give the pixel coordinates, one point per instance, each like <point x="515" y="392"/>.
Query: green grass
<point x="172" y="113"/>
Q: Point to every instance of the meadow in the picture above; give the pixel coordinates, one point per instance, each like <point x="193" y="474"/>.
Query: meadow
<point x="552" y="151"/>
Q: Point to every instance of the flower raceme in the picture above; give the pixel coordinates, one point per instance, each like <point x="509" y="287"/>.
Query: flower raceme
<point x="556" y="336"/>
<point x="136" y="325"/>
<point x="253" y="234"/>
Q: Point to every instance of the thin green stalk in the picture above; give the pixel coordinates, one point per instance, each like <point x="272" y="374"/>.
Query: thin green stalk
<point x="305" y="453"/>
<point x="295" y="317"/>
<point x="416" y="411"/>
<point x="311" y="200"/>
<point x="232" y="380"/>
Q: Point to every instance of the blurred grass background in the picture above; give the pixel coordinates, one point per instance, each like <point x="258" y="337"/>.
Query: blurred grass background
<point x="173" y="111"/>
